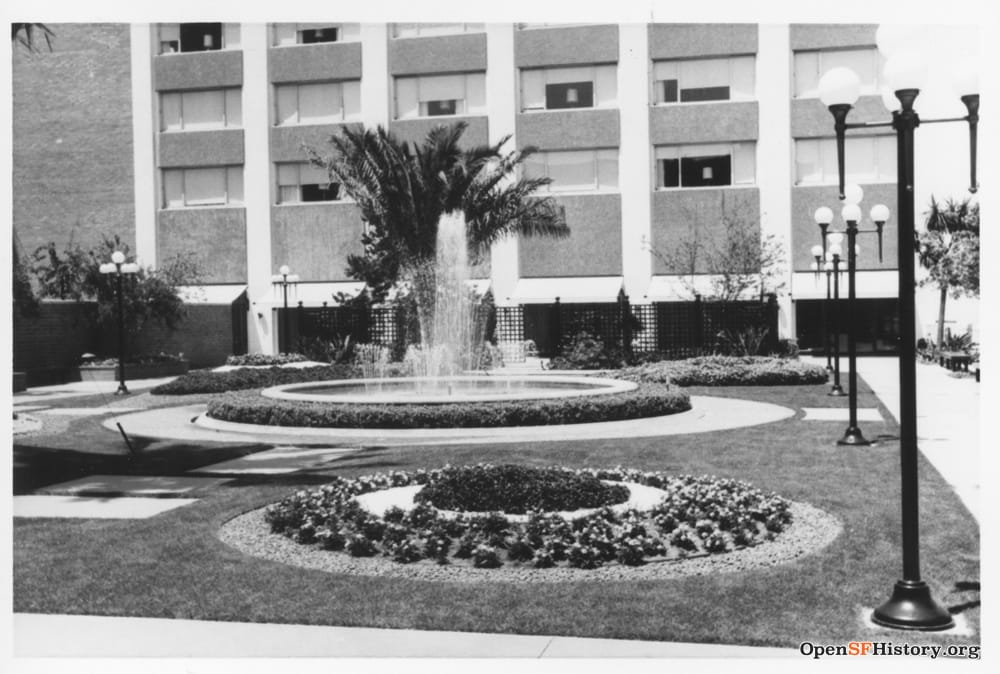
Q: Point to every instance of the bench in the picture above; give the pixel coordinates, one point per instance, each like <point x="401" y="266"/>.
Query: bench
<point x="955" y="360"/>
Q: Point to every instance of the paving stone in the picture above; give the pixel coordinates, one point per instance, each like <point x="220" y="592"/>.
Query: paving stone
<point x="94" y="507"/>
<point x="278" y="460"/>
<point x="134" y="485"/>
<point x="840" y="414"/>
<point x="88" y="411"/>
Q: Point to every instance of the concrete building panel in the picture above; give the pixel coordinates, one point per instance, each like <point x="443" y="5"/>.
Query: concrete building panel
<point x="415" y="130"/>
<point x="703" y="123"/>
<point x="315" y="239"/>
<point x="812" y="119"/>
<point x="442" y="54"/>
<point x="699" y="40"/>
<point x="806" y="234"/>
<point x="72" y="145"/>
<point x="326" y="61"/>
<point x="288" y="143"/>
<point x="198" y="70"/>
<point x="215" y="236"/>
<point x="831" y="35"/>
<point x="555" y="46"/>
<point x="683" y="219"/>
<point x="594" y="247"/>
<point x="568" y="129"/>
<point x="201" y="148"/>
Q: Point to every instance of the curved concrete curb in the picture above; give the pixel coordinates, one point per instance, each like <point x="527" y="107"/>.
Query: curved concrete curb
<point x="707" y="414"/>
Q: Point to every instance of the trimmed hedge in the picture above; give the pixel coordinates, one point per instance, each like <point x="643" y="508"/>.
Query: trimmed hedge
<point x="517" y="489"/>
<point x="649" y="400"/>
<point x="206" y="381"/>
<point x="727" y="371"/>
<point x="258" y="359"/>
<point x="697" y="516"/>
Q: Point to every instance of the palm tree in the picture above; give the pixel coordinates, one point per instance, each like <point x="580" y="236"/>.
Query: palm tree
<point x="25" y="34"/>
<point x="402" y="191"/>
<point x="948" y="248"/>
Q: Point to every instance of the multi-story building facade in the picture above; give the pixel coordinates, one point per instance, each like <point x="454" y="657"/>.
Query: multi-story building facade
<point x="650" y="133"/>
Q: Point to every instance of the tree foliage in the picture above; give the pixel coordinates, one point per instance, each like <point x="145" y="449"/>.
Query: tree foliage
<point x="26" y="35"/>
<point x="402" y="190"/>
<point x="948" y="247"/>
<point x="151" y="295"/>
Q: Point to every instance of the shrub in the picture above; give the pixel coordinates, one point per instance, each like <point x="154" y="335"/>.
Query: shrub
<point x="204" y="381"/>
<point x="587" y="352"/>
<point x="727" y="371"/>
<point x="649" y="400"/>
<point x="259" y="359"/>
<point x="518" y="489"/>
<point x="338" y="350"/>
<point x="698" y="515"/>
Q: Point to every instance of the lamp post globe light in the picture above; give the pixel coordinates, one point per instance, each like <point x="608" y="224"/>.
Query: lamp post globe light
<point x="120" y="268"/>
<point x="911" y="605"/>
<point x="284" y="278"/>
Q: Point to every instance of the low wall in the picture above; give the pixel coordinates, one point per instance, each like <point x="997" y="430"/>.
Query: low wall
<point x="48" y="346"/>
<point x="204" y="336"/>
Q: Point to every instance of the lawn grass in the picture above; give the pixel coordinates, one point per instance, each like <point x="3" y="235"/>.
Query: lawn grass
<point x="173" y="565"/>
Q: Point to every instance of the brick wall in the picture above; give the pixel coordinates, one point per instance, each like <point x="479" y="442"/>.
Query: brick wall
<point x="204" y="336"/>
<point x="72" y="140"/>
<point x="48" y="346"/>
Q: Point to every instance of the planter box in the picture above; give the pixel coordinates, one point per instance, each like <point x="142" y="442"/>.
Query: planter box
<point x="150" y="371"/>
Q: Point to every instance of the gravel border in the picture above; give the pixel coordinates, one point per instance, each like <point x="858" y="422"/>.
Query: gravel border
<point x="811" y="530"/>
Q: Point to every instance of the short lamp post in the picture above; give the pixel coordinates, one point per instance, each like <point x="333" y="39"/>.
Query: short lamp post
<point x="829" y="263"/>
<point x="911" y="605"/>
<point x="119" y="267"/>
<point x="284" y="279"/>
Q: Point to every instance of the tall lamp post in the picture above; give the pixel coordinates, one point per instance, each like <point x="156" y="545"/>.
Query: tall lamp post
<point x="119" y="267"/>
<point x="911" y="605"/>
<point x="284" y="279"/>
<point x="830" y="263"/>
<point x="851" y="214"/>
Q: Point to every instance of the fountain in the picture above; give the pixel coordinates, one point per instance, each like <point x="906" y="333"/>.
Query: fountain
<point x="442" y="369"/>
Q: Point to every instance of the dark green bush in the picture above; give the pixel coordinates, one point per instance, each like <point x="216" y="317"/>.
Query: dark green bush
<point x="206" y="381"/>
<point x="587" y="352"/>
<point x="518" y="489"/>
<point x="727" y="371"/>
<point x="649" y="400"/>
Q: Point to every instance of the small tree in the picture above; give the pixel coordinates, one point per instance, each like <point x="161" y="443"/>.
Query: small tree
<point x="24" y="293"/>
<point x="150" y="295"/>
<point x="948" y="248"/>
<point x="741" y="263"/>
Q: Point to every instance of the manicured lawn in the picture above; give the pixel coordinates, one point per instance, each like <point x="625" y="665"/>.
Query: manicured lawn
<point x="173" y="565"/>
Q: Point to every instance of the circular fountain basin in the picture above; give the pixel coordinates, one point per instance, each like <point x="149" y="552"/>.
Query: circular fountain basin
<point x="444" y="390"/>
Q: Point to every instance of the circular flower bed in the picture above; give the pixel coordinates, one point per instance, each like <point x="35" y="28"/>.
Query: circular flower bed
<point x="648" y="400"/>
<point x="696" y="516"/>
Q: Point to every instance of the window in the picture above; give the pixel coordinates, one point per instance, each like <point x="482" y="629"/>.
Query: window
<point x="561" y="88"/>
<point x="188" y="37"/>
<point x="810" y="66"/>
<point x="437" y="95"/>
<point x="429" y="29"/>
<point x="325" y="103"/>
<point x="301" y="183"/>
<point x="710" y="165"/>
<point x="196" y="110"/>
<point x="312" y="33"/>
<point x="575" y="170"/>
<point x="215" y="186"/>
<point x="867" y="159"/>
<point x="718" y="79"/>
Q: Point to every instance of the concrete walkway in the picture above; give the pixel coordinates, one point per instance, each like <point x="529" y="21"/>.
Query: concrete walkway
<point x="947" y="420"/>
<point x="95" y="636"/>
